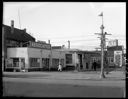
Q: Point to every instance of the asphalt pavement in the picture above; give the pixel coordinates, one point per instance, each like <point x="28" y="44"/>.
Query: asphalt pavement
<point x="63" y="84"/>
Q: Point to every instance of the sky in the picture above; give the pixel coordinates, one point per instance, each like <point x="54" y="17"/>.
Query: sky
<point x="73" y="21"/>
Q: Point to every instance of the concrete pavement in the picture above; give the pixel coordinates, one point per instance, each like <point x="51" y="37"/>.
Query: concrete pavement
<point x="115" y="75"/>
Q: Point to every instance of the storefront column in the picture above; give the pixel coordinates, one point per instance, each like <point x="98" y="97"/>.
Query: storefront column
<point x="20" y="64"/>
<point x="41" y="58"/>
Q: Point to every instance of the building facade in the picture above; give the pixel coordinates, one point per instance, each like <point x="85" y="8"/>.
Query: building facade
<point x="13" y="37"/>
<point x="36" y="56"/>
<point x="115" y="55"/>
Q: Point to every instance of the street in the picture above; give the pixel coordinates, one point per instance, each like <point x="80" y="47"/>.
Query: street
<point x="63" y="84"/>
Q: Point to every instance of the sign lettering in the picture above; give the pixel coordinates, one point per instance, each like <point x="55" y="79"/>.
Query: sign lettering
<point x="39" y="45"/>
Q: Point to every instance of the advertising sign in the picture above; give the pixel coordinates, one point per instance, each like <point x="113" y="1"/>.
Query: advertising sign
<point x="113" y="42"/>
<point x="39" y="45"/>
<point x="118" y="58"/>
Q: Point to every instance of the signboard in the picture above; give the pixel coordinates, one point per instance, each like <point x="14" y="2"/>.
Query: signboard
<point x="113" y="42"/>
<point x="39" y="45"/>
<point x="118" y="58"/>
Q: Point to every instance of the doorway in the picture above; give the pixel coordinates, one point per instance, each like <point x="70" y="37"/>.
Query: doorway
<point x="22" y="63"/>
<point x="80" y="61"/>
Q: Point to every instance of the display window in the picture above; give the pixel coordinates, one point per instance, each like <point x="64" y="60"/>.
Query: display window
<point x="34" y="62"/>
<point x="68" y="58"/>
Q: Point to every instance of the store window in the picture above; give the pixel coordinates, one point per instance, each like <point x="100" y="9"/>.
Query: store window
<point x="15" y="62"/>
<point x="55" y="62"/>
<point x="34" y="62"/>
<point x="9" y="62"/>
<point x="94" y="59"/>
<point x="68" y="58"/>
<point x="45" y="62"/>
<point x="62" y="62"/>
<point x="110" y="59"/>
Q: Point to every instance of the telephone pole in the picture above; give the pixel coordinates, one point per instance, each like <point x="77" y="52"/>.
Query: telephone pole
<point x="102" y="52"/>
<point x="50" y="62"/>
<point x="103" y="45"/>
<point x="3" y="52"/>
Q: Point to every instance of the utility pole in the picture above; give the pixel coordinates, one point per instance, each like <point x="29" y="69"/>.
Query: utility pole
<point x="3" y="52"/>
<point x="102" y="51"/>
<point x="41" y="58"/>
<point x="103" y="46"/>
<point x="50" y="65"/>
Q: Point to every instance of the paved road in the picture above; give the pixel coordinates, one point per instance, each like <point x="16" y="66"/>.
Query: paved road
<point x="62" y="84"/>
<point x="59" y="90"/>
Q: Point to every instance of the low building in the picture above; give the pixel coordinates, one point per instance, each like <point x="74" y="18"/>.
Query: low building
<point x="115" y="55"/>
<point x="35" y="56"/>
<point x="89" y="57"/>
<point x="13" y="37"/>
<point x="72" y="56"/>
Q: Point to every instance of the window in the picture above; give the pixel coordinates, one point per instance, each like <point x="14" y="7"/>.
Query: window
<point x="15" y="62"/>
<point x="62" y="62"/>
<point x="111" y="60"/>
<point x="45" y="62"/>
<point x="55" y="62"/>
<point x="12" y="43"/>
<point x="68" y="58"/>
<point x="34" y="62"/>
<point x="10" y="62"/>
<point x="94" y="59"/>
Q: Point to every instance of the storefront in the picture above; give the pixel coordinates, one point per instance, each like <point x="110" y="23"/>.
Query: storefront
<point x="73" y="59"/>
<point x="35" y="56"/>
<point x="13" y="37"/>
<point x="115" y="56"/>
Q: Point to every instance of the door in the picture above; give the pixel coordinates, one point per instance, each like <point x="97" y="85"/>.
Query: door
<point x="22" y="63"/>
<point x="80" y="61"/>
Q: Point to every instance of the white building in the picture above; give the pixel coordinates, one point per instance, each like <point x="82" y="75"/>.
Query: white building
<point x="34" y="57"/>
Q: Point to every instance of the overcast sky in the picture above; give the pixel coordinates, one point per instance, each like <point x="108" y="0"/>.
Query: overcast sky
<point x="63" y="21"/>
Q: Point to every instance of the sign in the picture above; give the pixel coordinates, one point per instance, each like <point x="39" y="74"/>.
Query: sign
<point x="118" y="58"/>
<point x="39" y="45"/>
<point x="113" y="42"/>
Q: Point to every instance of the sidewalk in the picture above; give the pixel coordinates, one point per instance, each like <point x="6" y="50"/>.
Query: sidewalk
<point x="73" y="75"/>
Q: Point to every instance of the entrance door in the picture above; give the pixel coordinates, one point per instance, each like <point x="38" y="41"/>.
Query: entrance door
<point x="80" y="61"/>
<point x="22" y="63"/>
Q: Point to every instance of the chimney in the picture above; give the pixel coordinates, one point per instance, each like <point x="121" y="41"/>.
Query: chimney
<point x="25" y="30"/>
<point x="48" y="41"/>
<point x="63" y="46"/>
<point x="116" y="42"/>
<point x="68" y="44"/>
<point x="12" y="26"/>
